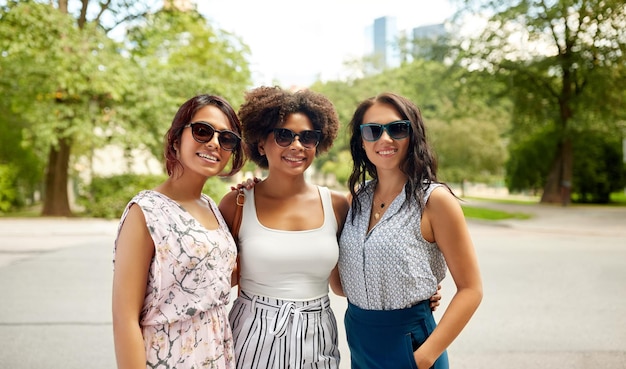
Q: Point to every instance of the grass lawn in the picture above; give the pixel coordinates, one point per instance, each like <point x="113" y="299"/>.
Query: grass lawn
<point x="476" y="212"/>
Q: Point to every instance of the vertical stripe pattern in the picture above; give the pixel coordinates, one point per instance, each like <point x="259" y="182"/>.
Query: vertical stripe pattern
<point x="283" y="334"/>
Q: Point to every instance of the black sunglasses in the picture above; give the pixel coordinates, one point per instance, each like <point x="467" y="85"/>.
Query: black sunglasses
<point x="309" y="139"/>
<point x="397" y="130"/>
<point x="203" y="132"/>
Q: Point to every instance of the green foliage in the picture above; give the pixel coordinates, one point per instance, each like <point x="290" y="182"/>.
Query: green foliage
<point x="599" y="168"/>
<point x="8" y="193"/>
<point x="341" y="167"/>
<point x="477" y="212"/>
<point x="106" y="197"/>
<point x="466" y="129"/>
<point x="63" y="78"/>
<point x="22" y="169"/>
<point x="529" y="161"/>
<point x="564" y="65"/>
<point x="619" y="198"/>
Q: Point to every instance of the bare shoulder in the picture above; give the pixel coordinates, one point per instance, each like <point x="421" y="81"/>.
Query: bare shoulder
<point x="340" y="201"/>
<point x="443" y="211"/>
<point x="134" y="231"/>
<point x="442" y="198"/>
<point x="134" y="219"/>
<point x="340" y="206"/>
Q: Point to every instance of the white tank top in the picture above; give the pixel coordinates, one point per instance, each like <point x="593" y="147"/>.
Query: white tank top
<point x="287" y="265"/>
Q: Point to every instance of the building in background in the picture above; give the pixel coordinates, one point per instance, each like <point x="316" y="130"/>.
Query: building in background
<point x="383" y="41"/>
<point x="385" y="33"/>
<point x="432" y="31"/>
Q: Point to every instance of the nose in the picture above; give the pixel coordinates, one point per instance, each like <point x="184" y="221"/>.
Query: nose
<point x="385" y="135"/>
<point x="214" y="141"/>
<point x="296" y="138"/>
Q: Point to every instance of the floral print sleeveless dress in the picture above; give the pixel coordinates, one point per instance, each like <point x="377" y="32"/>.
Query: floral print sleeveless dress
<point x="184" y="319"/>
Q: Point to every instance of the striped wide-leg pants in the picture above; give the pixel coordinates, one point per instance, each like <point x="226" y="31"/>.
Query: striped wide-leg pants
<point x="280" y="334"/>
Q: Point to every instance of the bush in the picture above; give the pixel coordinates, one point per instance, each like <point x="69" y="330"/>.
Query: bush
<point x="8" y="193"/>
<point x="108" y="196"/>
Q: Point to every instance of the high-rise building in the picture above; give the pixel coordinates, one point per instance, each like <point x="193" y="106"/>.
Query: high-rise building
<point x="425" y="39"/>
<point x="431" y="31"/>
<point x="385" y="42"/>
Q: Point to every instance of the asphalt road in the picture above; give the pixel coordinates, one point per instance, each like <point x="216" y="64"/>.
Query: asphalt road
<point x="555" y="294"/>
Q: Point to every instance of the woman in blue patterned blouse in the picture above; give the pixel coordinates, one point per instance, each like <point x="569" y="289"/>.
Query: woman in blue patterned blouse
<point x="404" y="229"/>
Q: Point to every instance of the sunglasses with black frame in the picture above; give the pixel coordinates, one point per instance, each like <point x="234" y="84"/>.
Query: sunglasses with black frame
<point x="203" y="132"/>
<point x="309" y="139"/>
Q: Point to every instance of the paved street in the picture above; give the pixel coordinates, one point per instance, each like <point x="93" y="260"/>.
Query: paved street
<point x="554" y="292"/>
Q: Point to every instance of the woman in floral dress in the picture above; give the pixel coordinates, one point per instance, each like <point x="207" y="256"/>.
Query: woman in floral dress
<point x="174" y="254"/>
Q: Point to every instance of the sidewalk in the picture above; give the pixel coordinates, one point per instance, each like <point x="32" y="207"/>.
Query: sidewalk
<point x="572" y="219"/>
<point x="25" y="237"/>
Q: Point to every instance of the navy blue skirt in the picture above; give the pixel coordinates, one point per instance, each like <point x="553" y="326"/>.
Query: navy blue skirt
<point x="383" y="339"/>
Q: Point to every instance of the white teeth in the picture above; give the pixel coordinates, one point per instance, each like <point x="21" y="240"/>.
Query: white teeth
<point x="293" y="159"/>
<point x="387" y="152"/>
<point x="208" y="157"/>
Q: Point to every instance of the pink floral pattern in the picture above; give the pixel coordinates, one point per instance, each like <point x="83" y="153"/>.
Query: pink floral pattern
<point x="184" y="318"/>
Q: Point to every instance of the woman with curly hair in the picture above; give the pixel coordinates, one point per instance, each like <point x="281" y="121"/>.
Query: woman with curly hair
<point x="288" y="235"/>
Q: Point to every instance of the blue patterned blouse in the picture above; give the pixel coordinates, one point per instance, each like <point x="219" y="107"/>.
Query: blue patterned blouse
<point x="392" y="266"/>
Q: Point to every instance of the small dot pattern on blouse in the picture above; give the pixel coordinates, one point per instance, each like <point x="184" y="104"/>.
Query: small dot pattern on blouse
<point x="392" y="266"/>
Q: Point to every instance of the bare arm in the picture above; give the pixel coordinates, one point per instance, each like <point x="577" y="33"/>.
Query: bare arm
<point x="228" y="208"/>
<point x="448" y="228"/>
<point x="340" y="207"/>
<point x="133" y="255"/>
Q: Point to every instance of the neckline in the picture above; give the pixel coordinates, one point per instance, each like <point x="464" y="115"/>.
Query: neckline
<point x="188" y="214"/>
<point x="251" y="192"/>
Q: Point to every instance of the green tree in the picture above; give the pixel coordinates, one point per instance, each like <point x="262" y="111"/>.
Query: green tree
<point x="466" y="129"/>
<point x="77" y="89"/>
<point x="564" y="63"/>
<point x="60" y="75"/>
<point x="181" y="55"/>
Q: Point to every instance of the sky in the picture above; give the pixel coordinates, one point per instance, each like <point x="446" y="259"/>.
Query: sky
<point x="294" y="42"/>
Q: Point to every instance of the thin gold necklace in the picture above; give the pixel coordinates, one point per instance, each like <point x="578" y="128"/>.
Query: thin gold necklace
<point x="377" y="212"/>
<point x="380" y="209"/>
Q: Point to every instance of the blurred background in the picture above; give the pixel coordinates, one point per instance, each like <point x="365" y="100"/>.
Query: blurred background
<point x="521" y="99"/>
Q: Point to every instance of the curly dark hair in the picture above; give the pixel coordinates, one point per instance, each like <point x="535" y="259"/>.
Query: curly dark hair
<point x="184" y="115"/>
<point x="420" y="165"/>
<point x="266" y="108"/>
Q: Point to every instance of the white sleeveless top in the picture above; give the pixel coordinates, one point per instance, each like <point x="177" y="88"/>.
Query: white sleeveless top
<point x="287" y="265"/>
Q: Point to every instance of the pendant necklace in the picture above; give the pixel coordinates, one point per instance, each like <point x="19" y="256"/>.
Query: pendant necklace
<point x="377" y="212"/>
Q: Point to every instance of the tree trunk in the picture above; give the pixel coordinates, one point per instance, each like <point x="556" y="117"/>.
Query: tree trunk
<point x="559" y="182"/>
<point x="56" y="201"/>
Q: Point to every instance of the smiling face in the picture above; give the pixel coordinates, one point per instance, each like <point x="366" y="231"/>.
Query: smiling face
<point x="293" y="159"/>
<point x="204" y="159"/>
<point x="385" y="153"/>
